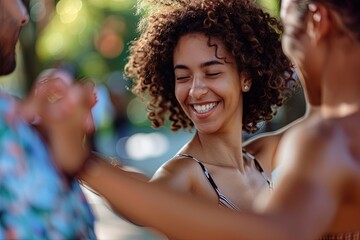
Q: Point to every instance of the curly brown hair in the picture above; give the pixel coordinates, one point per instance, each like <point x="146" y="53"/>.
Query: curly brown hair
<point x="251" y="35"/>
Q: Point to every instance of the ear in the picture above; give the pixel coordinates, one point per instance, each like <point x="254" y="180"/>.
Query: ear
<point x="245" y="82"/>
<point x="318" y="22"/>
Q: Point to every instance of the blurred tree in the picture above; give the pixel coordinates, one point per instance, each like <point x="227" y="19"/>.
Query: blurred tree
<point x="89" y="35"/>
<point x="92" y="36"/>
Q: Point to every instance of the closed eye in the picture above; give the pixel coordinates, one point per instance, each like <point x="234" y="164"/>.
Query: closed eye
<point x="182" y="78"/>
<point x="214" y="74"/>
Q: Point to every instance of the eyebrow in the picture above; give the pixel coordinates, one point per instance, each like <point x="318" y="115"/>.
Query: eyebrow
<point x="205" y="64"/>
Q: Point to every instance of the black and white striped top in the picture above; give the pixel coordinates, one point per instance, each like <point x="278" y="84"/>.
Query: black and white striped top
<point x="223" y="201"/>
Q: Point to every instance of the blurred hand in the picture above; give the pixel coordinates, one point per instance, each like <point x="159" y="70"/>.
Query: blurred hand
<point x="62" y="113"/>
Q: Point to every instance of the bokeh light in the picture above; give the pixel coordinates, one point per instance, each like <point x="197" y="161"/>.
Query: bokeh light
<point x="142" y="146"/>
<point x="68" y="10"/>
<point x="136" y="111"/>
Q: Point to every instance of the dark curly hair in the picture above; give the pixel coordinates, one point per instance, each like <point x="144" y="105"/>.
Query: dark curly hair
<point x="251" y="35"/>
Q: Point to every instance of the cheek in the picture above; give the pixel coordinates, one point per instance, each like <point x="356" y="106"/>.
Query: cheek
<point x="234" y="83"/>
<point x="180" y="93"/>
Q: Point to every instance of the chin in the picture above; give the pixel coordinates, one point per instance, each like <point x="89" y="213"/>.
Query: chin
<point x="6" y="71"/>
<point x="206" y="129"/>
<point x="8" y="65"/>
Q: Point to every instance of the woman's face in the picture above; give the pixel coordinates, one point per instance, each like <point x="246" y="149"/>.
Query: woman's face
<point x="207" y="88"/>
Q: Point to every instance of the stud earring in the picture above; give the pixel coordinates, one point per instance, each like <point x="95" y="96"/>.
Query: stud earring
<point x="246" y="88"/>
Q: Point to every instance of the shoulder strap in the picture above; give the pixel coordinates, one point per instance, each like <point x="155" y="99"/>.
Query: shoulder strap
<point x="259" y="168"/>
<point x="223" y="201"/>
<point x="207" y="175"/>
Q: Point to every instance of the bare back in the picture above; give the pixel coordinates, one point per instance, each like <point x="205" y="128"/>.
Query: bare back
<point x="320" y="184"/>
<point x="347" y="217"/>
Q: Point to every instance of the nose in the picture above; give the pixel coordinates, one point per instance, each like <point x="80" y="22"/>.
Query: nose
<point x="198" y="87"/>
<point x="17" y="11"/>
<point x="23" y="13"/>
<point x="24" y="20"/>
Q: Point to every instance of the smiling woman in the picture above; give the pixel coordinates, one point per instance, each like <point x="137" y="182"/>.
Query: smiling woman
<point x="218" y="67"/>
<point x="215" y="66"/>
<point x="318" y="191"/>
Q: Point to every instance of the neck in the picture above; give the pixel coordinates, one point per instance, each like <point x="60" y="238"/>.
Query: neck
<point x="341" y="80"/>
<point x="220" y="149"/>
<point x="311" y="109"/>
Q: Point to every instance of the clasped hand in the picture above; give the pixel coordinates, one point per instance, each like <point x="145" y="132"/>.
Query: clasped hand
<point x="61" y="112"/>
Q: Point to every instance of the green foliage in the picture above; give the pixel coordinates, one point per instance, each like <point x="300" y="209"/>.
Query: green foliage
<point x="272" y="6"/>
<point x="93" y="35"/>
<point x="90" y="35"/>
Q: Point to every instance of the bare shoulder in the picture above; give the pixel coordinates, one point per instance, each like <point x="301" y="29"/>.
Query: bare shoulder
<point x="318" y="147"/>
<point x="261" y="142"/>
<point x="318" y="174"/>
<point x="307" y="139"/>
<point x="177" y="173"/>
<point x="264" y="147"/>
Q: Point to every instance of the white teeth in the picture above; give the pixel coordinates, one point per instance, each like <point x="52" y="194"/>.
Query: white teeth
<point x="204" y="108"/>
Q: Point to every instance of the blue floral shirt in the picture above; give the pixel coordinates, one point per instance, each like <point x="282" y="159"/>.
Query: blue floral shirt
<point x="35" y="201"/>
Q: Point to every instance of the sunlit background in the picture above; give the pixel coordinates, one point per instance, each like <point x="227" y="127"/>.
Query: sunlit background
<point x="89" y="39"/>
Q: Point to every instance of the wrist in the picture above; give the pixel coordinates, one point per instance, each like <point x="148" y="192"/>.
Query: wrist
<point x="89" y="167"/>
<point x="93" y="165"/>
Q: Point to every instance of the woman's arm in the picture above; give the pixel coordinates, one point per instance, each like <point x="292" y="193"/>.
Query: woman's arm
<point x="289" y="214"/>
<point x="178" y="216"/>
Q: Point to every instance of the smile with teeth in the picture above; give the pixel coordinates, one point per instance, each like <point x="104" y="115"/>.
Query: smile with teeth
<point x="204" y="108"/>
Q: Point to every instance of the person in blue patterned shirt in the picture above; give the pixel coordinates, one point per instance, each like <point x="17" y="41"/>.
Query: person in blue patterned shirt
<point x="39" y="198"/>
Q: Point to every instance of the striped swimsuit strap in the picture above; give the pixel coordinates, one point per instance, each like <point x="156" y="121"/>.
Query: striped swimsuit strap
<point x="223" y="201"/>
<point x="260" y="169"/>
